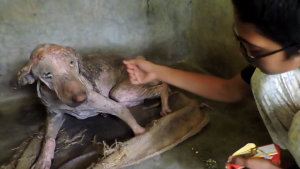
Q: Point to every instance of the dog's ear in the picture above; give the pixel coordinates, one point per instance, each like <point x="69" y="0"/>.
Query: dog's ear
<point x="25" y="75"/>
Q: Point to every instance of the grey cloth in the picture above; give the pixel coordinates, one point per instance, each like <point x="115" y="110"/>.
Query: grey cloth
<point x="278" y="100"/>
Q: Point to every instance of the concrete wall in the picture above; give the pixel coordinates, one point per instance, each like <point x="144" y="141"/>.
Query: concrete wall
<point x="165" y="31"/>
<point x="213" y="46"/>
<point x="157" y="29"/>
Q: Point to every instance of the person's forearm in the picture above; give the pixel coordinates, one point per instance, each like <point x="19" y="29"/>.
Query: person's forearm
<point x="204" y="85"/>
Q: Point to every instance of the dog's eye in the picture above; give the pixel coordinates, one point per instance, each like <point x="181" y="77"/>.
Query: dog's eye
<point x="48" y="75"/>
<point x="72" y="63"/>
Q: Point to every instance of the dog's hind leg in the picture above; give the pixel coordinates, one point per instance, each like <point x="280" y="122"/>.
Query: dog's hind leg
<point x="125" y="92"/>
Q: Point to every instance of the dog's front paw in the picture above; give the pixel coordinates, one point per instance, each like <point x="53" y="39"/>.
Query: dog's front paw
<point x="165" y="111"/>
<point x="44" y="160"/>
<point x="139" y="131"/>
<point x="42" y="163"/>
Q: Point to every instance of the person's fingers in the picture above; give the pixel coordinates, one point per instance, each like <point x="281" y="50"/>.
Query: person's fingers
<point x="134" y="81"/>
<point x="130" y="63"/>
<point x="237" y="160"/>
<point x="132" y="78"/>
<point x="129" y="66"/>
<point x="130" y="71"/>
<point x="138" y="74"/>
<point x="253" y="163"/>
<point x="135" y="75"/>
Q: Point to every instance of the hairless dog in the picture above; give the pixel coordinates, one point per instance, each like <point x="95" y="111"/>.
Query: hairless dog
<point x="83" y="88"/>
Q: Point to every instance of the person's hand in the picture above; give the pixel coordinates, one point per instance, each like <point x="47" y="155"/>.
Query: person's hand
<point x="140" y="71"/>
<point x="252" y="163"/>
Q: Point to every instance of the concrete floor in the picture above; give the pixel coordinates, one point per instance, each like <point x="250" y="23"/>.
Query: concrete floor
<point x="231" y="127"/>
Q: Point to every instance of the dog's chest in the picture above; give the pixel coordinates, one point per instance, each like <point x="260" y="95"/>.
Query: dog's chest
<point x="82" y="114"/>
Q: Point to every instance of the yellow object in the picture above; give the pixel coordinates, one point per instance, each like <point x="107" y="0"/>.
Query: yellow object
<point x="244" y="150"/>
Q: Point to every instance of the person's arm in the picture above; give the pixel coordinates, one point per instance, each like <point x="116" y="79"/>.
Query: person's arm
<point x="226" y="90"/>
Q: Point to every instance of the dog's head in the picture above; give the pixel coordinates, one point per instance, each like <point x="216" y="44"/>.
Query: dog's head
<point x="58" y="68"/>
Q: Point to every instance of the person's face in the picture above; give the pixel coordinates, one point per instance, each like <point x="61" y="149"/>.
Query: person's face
<point x="257" y="44"/>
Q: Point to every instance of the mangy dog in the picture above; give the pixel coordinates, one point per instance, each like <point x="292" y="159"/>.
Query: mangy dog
<point x="99" y="84"/>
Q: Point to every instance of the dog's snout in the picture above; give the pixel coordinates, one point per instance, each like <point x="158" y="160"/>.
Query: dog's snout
<point x="78" y="99"/>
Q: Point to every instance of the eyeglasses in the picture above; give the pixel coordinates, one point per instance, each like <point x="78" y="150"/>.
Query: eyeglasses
<point x="244" y="51"/>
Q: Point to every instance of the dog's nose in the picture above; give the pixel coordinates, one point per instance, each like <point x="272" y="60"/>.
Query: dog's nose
<point x="79" y="97"/>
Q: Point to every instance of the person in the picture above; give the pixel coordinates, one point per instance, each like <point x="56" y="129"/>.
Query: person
<point x="268" y="35"/>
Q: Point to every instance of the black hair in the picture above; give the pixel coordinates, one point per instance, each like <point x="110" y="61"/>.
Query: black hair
<point x="278" y="20"/>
